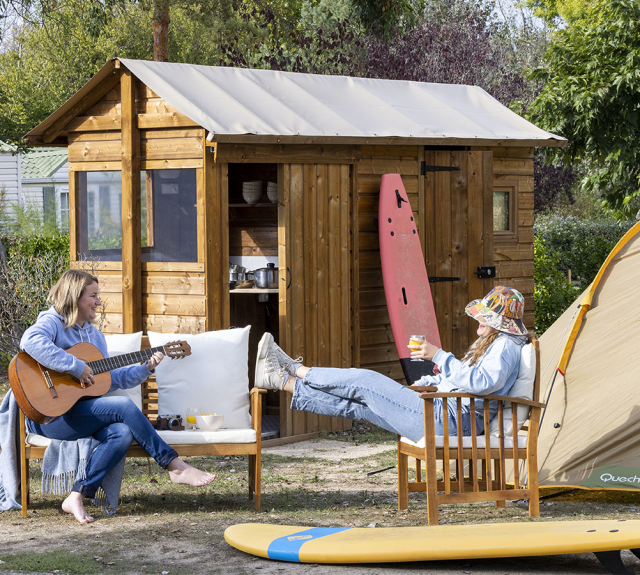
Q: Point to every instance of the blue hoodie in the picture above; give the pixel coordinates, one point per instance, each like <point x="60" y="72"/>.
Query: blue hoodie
<point x="46" y="340"/>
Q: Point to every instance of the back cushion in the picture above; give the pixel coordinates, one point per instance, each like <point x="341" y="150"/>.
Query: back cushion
<point x="214" y="378"/>
<point x="523" y="387"/>
<point x="118" y="344"/>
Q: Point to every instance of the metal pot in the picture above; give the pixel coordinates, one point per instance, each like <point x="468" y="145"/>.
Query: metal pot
<point x="237" y="273"/>
<point x="266" y="277"/>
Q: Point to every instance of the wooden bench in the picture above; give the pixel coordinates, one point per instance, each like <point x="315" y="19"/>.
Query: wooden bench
<point x="149" y="392"/>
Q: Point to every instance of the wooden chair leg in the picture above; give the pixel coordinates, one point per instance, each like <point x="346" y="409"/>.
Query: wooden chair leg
<point x="257" y="479"/>
<point x="252" y="475"/>
<point x="418" y="471"/>
<point x="498" y="475"/>
<point x="532" y="479"/>
<point x="403" y="481"/>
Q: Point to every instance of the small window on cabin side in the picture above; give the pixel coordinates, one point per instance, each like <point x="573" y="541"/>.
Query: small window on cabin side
<point x="501" y="211"/>
<point x="49" y="206"/>
<point x="64" y="211"/>
<point x="169" y="215"/>
<point x="100" y="215"/>
<point x="505" y="210"/>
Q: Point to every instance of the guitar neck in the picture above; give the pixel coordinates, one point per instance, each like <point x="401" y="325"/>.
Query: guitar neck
<point x="109" y="363"/>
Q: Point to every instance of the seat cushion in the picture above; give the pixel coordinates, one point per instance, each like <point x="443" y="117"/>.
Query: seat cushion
<point x="247" y="435"/>
<point x="466" y="441"/>
<point x="119" y="344"/>
<point x="213" y="379"/>
<point x="522" y="387"/>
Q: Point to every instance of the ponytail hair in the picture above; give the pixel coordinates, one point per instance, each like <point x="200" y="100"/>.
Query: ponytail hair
<point x="482" y="344"/>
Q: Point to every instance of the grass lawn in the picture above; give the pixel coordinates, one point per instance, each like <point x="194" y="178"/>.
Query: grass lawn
<point x="164" y="528"/>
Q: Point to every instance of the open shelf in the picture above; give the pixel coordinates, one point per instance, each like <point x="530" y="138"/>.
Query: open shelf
<point x="258" y="205"/>
<point x="253" y="290"/>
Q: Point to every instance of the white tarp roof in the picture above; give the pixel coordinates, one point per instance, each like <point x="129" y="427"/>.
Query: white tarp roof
<point x="237" y="101"/>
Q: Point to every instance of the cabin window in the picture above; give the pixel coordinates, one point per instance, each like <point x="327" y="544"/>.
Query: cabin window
<point x="64" y="211"/>
<point x="505" y="211"/>
<point x="169" y="215"/>
<point x="100" y="215"/>
<point x="49" y="206"/>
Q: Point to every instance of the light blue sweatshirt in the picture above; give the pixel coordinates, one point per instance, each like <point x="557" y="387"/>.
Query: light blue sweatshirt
<point x="47" y="339"/>
<point x="494" y="373"/>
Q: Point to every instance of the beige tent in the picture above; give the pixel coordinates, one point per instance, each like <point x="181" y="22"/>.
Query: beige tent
<point x="590" y="359"/>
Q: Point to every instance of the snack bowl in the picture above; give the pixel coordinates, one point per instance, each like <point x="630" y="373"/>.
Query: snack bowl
<point x="209" y="422"/>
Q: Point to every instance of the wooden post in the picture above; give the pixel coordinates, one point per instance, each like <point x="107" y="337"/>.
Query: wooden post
<point x="131" y="232"/>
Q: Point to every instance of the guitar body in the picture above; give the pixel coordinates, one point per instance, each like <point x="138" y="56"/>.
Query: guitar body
<point x="35" y="399"/>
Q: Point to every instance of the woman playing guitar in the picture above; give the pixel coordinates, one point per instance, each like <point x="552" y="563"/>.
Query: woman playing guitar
<point x="114" y="421"/>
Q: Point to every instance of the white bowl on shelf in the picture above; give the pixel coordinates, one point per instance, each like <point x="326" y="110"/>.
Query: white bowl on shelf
<point x="272" y="195"/>
<point x="209" y="422"/>
<point x="252" y="196"/>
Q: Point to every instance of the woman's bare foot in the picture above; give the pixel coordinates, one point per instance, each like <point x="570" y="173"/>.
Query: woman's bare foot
<point x="74" y="505"/>
<point x="180" y="472"/>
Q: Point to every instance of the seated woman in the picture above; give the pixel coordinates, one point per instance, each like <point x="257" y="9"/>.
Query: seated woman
<point x="490" y="366"/>
<point x="114" y="421"/>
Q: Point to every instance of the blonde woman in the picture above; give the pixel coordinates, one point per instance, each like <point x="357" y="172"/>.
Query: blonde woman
<point x="489" y="366"/>
<point x="114" y="421"/>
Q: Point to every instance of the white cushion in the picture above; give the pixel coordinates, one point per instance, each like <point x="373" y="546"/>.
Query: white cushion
<point x="523" y="387"/>
<point x="466" y="442"/>
<point x="214" y="378"/>
<point x="179" y="437"/>
<point x="118" y="344"/>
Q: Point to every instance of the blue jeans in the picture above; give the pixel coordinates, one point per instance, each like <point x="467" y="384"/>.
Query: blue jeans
<point x="115" y="422"/>
<point x="363" y="394"/>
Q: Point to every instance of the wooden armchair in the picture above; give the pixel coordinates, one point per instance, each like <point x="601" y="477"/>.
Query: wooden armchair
<point x="480" y="466"/>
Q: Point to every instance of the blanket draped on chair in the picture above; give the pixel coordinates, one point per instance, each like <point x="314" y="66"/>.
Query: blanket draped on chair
<point x="64" y="463"/>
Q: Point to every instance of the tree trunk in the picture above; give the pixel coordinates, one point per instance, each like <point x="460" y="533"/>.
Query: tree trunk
<point x="161" y="32"/>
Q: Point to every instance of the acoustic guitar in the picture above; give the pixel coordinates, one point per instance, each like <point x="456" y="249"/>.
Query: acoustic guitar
<point x="43" y="393"/>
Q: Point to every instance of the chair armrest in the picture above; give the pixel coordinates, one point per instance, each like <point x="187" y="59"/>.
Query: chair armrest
<point x="255" y="399"/>
<point x="423" y="388"/>
<point x="453" y="395"/>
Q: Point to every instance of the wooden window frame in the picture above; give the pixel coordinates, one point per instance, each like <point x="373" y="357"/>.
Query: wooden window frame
<point x="512" y="188"/>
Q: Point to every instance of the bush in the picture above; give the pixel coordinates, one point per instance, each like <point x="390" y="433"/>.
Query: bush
<point x="25" y="281"/>
<point x="553" y="292"/>
<point x="580" y="245"/>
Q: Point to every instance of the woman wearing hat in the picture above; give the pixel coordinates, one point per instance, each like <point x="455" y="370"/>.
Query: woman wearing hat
<point x="490" y="366"/>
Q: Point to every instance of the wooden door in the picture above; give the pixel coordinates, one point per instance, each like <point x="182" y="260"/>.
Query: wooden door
<point x="457" y="237"/>
<point x="314" y="235"/>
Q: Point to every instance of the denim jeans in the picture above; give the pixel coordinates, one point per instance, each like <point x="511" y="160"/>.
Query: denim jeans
<point x="115" y="422"/>
<point x="363" y="394"/>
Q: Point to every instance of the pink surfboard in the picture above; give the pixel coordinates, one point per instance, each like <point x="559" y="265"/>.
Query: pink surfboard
<point x="406" y="284"/>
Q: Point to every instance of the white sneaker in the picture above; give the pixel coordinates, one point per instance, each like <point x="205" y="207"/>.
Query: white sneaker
<point x="273" y="366"/>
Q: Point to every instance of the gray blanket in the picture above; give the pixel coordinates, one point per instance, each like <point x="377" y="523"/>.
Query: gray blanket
<point x="64" y="463"/>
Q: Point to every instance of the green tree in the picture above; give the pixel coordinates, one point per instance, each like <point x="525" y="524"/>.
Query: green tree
<point x="591" y="96"/>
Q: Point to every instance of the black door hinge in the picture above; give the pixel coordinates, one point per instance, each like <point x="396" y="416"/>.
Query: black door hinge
<point x="437" y="279"/>
<point x="424" y="168"/>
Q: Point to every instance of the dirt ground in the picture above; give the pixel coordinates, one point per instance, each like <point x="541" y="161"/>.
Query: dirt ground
<point x="316" y="483"/>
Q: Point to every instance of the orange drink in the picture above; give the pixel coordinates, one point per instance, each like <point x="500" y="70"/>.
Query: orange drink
<point x="416" y="340"/>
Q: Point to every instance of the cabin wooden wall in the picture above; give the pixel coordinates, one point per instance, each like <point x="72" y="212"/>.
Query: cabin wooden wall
<point x="513" y="256"/>
<point x="173" y="294"/>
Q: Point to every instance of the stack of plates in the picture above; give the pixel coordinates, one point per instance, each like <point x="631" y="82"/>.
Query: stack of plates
<point x="272" y="192"/>
<point x="252" y="191"/>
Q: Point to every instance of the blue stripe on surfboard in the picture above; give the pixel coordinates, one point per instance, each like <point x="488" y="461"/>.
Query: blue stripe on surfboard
<point x="287" y="548"/>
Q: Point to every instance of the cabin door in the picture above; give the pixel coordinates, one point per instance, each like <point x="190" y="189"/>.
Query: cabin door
<point x="457" y="237"/>
<point x="314" y="255"/>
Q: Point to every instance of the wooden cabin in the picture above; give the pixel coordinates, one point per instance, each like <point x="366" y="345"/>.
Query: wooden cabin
<point x="158" y="153"/>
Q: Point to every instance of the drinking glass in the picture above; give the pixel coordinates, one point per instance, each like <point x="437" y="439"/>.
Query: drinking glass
<point x="416" y="340"/>
<point x="191" y="416"/>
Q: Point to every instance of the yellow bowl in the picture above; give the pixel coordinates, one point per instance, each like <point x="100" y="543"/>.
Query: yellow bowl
<point x="209" y="422"/>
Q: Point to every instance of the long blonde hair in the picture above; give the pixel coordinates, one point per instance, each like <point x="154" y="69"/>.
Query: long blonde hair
<point x="482" y="344"/>
<point x="66" y="292"/>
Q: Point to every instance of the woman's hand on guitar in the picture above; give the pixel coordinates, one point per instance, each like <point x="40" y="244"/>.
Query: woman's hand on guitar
<point x="86" y="378"/>
<point x="154" y="360"/>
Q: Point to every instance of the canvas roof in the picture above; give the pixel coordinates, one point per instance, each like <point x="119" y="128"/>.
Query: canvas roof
<point x="234" y="104"/>
<point x="42" y="162"/>
<point x="590" y="434"/>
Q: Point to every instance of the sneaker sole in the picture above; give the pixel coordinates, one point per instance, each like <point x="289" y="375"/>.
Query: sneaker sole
<point x="263" y="346"/>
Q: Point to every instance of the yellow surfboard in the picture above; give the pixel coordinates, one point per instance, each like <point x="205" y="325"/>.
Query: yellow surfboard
<point x="440" y="542"/>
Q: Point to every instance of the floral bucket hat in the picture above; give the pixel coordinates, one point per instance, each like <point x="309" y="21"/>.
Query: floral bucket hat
<point x="502" y="309"/>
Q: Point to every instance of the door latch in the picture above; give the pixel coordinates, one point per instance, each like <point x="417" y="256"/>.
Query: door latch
<point x="486" y="272"/>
